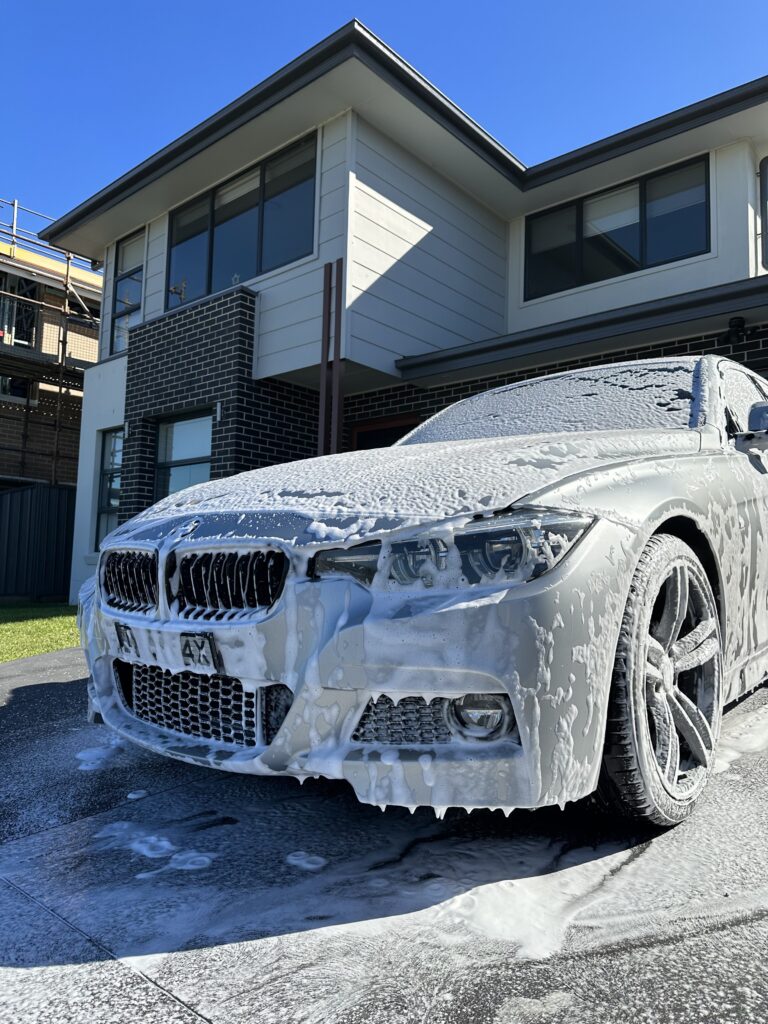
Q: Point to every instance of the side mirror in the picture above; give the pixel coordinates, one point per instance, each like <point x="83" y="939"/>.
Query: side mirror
<point x="756" y="437"/>
<point x="758" y="418"/>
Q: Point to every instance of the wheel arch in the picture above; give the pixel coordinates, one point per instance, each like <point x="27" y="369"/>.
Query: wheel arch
<point x="689" y="531"/>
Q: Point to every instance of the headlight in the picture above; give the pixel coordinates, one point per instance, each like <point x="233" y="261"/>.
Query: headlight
<point x="511" y="548"/>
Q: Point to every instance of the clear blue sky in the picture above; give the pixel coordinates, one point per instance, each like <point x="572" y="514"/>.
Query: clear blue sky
<point x="93" y="88"/>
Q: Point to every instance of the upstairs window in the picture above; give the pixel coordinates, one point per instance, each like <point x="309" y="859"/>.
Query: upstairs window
<point x="183" y="453"/>
<point x="658" y="219"/>
<point x="129" y="281"/>
<point x="259" y="221"/>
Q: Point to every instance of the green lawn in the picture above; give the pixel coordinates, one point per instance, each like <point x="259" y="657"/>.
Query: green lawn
<point x="36" y="629"/>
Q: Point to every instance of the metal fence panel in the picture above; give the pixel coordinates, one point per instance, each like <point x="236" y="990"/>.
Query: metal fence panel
<point x="36" y="525"/>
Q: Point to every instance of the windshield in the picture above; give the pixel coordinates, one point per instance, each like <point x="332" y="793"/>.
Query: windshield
<point x="655" y="395"/>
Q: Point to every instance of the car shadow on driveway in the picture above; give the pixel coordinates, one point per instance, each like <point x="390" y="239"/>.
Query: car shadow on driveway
<point x="144" y="855"/>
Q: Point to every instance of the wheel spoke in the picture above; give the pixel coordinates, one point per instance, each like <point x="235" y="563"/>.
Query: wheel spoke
<point x="654" y="655"/>
<point x="675" y="607"/>
<point x="699" y="656"/>
<point x="667" y="742"/>
<point x="697" y="648"/>
<point x="692" y="726"/>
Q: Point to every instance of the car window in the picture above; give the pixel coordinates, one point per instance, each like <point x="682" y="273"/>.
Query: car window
<point x="741" y="391"/>
<point x="628" y="396"/>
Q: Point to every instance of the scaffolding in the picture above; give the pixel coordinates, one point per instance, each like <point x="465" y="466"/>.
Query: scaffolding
<point x="45" y="347"/>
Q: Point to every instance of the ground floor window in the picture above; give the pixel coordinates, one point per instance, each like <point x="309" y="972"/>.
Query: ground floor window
<point x="109" y="482"/>
<point x="183" y="453"/>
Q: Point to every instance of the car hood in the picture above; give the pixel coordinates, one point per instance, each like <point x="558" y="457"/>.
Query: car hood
<point x="336" y="498"/>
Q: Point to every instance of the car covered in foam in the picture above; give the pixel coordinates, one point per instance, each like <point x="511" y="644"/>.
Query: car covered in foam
<point x="545" y="590"/>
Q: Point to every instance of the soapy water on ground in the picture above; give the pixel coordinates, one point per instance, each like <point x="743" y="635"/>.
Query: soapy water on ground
<point x="336" y="912"/>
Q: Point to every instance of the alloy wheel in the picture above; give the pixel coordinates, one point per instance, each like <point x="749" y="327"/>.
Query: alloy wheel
<point x="682" y="680"/>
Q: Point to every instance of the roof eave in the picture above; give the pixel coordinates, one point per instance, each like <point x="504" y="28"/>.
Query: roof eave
<point x="353" y="40"/>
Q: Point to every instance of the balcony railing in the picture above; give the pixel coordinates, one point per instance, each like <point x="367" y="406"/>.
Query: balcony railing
<point x="34" y="328"/>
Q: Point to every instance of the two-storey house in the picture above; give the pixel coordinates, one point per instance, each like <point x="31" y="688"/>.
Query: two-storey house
<point x="342" y="251"/>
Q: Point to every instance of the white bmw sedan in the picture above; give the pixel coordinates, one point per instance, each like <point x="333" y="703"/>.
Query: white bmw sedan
<point x="545" y="590"/>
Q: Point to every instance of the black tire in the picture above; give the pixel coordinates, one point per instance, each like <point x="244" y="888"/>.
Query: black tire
<point x="665" y="705"/>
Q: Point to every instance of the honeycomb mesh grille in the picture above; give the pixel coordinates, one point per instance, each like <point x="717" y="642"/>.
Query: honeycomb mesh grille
<point x="208" y="707"/>
<point x="211" y="584"/>
<point x="129" y="580"/>
<point x="410" y="721"/>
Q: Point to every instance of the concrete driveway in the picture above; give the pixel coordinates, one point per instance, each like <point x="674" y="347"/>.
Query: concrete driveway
<point x="135" y="888"/>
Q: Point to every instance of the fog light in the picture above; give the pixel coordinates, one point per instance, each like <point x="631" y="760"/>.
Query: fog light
<point x="481" y="716"/>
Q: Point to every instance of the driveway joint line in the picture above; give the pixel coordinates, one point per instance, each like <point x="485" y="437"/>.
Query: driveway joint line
<point x="104" y="949"/>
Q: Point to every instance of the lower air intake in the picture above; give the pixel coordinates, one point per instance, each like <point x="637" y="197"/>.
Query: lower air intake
<point x="409" y="722"/>
<point x="214" y="708"/>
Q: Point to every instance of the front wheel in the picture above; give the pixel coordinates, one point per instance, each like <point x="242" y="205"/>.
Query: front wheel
<point x="665" y="705"/>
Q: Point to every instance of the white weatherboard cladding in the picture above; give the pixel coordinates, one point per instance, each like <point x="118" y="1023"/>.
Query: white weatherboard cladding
<point x="427" y="263"/>
<point x="103" y="409"/>
<point x="154" y="271"/>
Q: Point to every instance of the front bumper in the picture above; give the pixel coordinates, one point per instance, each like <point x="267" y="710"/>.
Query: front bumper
<point x="548" y="644"/>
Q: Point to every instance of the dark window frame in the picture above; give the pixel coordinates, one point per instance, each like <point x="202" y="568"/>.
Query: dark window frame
<point x="117" y="277"/>
<point x="192" y="414"/>
<point x="101" y="508"/>
<point x="210" y="196"/>
<point x="642" y="182"/>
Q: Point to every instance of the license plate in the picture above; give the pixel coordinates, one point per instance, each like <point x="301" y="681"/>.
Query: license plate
<point x="126" y="641"/>
<point x="198" y="651"/>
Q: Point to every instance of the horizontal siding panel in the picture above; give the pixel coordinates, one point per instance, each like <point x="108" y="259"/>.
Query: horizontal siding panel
<point x="291" y="336"/>
<point x="275" y="363"/>
<point x="334" y="154"/>
<point x="334" y="130"/>
<point x="367" y="353"/>
<point x="332" y="227"/>
<point x="378" y="154"/>
<point x="404" y="321"/>
<point x="273" y="318"/>
<point x="420" y="272"/>
<point x="492" y="259"/>
<point x="335" y="178"/>
<point x="286" y="290"/>
<point x="333" y="202"/>
<point x="428" y="263"/>
<point x="155" y="265"/>
<point x="431" y="300"/>
<point x="393" y="232"/>
<point x="365" y="330"/>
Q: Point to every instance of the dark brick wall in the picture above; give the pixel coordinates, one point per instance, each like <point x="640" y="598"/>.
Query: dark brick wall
<point x="407" y="399"/>
<point x="193" y="359"/>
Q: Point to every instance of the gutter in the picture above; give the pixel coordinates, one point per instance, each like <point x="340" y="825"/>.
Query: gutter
<point x="590" y="331"/>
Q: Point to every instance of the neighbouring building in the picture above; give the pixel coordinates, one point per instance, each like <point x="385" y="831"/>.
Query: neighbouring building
<point x="341" y="252"/>
<point x="49" y="327"/>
